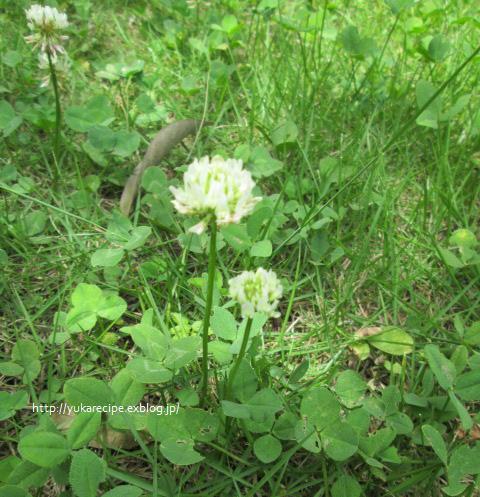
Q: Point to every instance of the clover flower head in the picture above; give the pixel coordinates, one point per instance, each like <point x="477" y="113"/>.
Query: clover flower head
<point x="46" y="23"/>
<point x="258" y="291"/>
<point x="215" y="187"/>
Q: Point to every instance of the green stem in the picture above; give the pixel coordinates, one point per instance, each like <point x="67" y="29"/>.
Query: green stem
<point x="241" y="355"/>
<point x="212" y="258"/>
<point x="58" y="109"/>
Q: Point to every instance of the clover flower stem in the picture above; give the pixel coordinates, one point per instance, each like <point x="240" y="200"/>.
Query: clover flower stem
<point x="58" y="109"/>
<point x="241" y="355"/>
<point x="212" y="259"/>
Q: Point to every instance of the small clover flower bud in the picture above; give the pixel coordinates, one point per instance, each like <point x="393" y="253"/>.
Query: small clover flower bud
<point x="215" y="187"/>
<point x="257" y="291"/>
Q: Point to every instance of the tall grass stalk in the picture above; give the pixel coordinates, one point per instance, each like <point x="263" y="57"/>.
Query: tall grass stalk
<point x="212" y="260"/>
<point x="58" y="108"/>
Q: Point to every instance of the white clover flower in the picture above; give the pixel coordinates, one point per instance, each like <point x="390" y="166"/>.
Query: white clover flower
<point x="258" y="291"/>
<point x="60" y="62"/>
<point x="216" y="187"/>
<point x="46" y="22"/>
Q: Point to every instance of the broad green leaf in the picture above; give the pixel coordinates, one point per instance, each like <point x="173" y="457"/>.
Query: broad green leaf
<point x="392" y="340"/>
<point x="306" y="435"/>
<point x="11" y="402"/>
<point x="119" y="228"/>
<point x="9" y="368"/>
<point x="87" y="471"/>
<point x="137" y="237"/>
<point x="96" y="112"/>
<point x="106" y="257"/>
<point x="96" y="155"/>
<point x="7" y="465"/>
<point x="262" y="164"/>
<point x="223" y="324"/>
<point x="35" y="222"/>
<point x="375" y="407"/>
<point x="202" y="425"/>
<point x="43" y="448"/>
<point x="151" y="340"/>
<point x="111" y="307"/>
<point x="27" y="474"/>
<point x="154" y="180"/>
<point x="257" y="220"/>
<point x="267" y="448"/>
<point x="236" y="236"/>
<point x="245" y="382"/>
<point x="86" y="295"/>
<point x="221" y="351"/>
<point x="182" y="352"/>
<point x="13" y="491"/>
<point x="463" y="461"/>
<point x="400" y="422"/>
<point x="262" y="248"/>
<point x="126" y="390"/>
<point x="460" y="358"/>
<point x="443" y="369"/>
<point x="350" y="388"/>
<point x="459" y="105"/>
<point x="430" y="116"/>
<point x="356" y="45"/>
<point x="377" y="442"/>
<point x="472" y="334"/>
<point x="180" y="451"/>
<point x="346" y="486"/>
<point x="25" y="354"/>
<point x="284" y="427"/>
<point x="450" y="258"/>
<point x="234" y="410"/>
<point x="126" y="143"/>
<point x="230" y="24"/>
<point x="320" y="407"/>
<point x="299" y="372"/>
<point x="390" y="455"/>
<point x="438" y="48"/>
<point x="87" y="391"/>
<point x="12" y="58"/>
<point x="435" y="440"/>
<point x="340" y="441"/>
<point x="361" y="349"/>
<point x="391" y="398"/>
<point x="163" y="427"/>
<point x="147" y="370"/>
<point x="319" y="245"/>
<point x="359" y="420"/>
<point x="85" y="301"/>
<point x="287" y="132"/>
<point x="467" y="386"/>
<point x="118" y="70"/>
<point x="80" y="319"/>
<point x="463" y="414"/>
<point x="9" y="120"/>
<point x="102" y="138"/>
<point x="263" y="405"/>
<point x="84" y="427"/>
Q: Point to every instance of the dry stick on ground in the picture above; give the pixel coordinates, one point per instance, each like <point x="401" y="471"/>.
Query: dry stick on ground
<point x="159" y="147"/>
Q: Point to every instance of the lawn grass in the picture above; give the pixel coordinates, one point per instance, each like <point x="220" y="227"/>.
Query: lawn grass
<point x="361" y="247"/>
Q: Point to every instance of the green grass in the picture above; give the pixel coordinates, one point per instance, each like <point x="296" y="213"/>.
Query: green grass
<point x="360" y="251"/>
